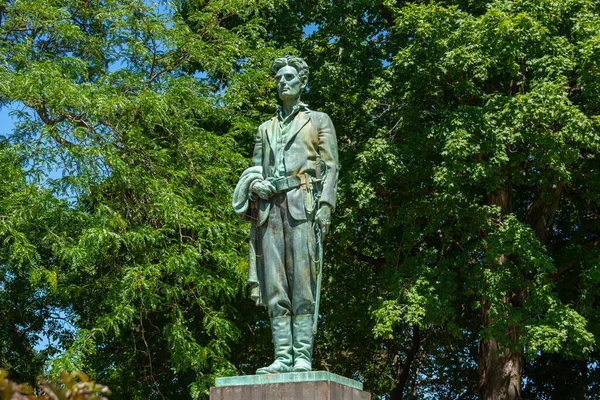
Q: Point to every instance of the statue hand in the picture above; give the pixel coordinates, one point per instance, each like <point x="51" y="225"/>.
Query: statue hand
<point x="323" y="218"/>
<point x="264" y="189"/>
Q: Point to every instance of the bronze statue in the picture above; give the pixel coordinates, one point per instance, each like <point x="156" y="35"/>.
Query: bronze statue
<point x="289" y="195"/>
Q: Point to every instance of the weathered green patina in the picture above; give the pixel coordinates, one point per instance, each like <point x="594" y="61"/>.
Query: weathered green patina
<point x="313" y="376"/>
<point x="289" y="194"/>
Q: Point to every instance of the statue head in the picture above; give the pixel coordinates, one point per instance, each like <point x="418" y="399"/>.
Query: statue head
<point x="291" y="76"/>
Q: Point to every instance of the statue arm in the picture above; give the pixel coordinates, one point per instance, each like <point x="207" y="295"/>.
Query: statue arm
<point x="256" y="162"/>
<point x="257" y="155"/>
<point x="328" y="151"/>
<point x="260" y="187"/>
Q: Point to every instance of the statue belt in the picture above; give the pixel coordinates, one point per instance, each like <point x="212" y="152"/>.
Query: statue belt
<point x="286" y="183"/>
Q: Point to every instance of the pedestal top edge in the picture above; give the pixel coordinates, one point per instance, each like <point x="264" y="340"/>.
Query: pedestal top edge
<point x="290" y="377"/>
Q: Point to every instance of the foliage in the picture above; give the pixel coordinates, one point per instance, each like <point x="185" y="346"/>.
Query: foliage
<point x="28" y="278"/>
<point x="147" y="254"/>
<point x="468" y="196"/>
<point x="75" y="386"/>
<point x="469" y="143"/>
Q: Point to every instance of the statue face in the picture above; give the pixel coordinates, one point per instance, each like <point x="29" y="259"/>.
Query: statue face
<point x="289" y="85"/>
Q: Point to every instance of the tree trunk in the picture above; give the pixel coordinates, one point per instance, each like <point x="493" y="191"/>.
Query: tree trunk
<point x="403" y="370"/>
<point x="499" y="372"/>
<point x="541" y="212"/>
<point x="500" y="369"/>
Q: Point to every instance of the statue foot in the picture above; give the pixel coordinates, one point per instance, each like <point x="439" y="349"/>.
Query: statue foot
<point x="275" y="368"/>
<point x="301" y="366"/>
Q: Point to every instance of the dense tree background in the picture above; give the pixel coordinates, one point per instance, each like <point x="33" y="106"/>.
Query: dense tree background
<point x="465" y="258"/>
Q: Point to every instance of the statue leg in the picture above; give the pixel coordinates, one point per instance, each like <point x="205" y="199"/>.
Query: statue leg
<point x="303" y="342"/>
<point x="282" y="340"/>
<point x="303" y="291"/>
<point x="276" y="287"/>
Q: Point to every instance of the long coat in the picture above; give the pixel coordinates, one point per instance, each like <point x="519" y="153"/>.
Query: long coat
<point x="311" y="135"/>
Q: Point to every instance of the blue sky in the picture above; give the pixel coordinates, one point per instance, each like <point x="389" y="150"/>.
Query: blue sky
<point x="6" y="122"/>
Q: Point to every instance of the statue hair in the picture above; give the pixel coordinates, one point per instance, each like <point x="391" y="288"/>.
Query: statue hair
<point x="293" y="61"/>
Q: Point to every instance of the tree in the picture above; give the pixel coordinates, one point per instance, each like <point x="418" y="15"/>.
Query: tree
<point x="28" y="280"/>
<point x="467" y="174"/>
<point x="148" y="255"/>
<point x="469" y="143"/>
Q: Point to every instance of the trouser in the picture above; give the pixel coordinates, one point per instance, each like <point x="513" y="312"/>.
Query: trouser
<point x="289" y="271"/>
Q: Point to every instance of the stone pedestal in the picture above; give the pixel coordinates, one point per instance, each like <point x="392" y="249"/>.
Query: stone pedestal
<point x="316" y="385"/>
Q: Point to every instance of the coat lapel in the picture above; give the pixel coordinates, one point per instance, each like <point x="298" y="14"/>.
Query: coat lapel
<point x="271" y="130"/>
<point x="297" y="124"/>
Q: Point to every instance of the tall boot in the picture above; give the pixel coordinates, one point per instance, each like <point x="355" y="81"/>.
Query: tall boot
<point x="303" y="342"/>
<point x="282" y="339"/>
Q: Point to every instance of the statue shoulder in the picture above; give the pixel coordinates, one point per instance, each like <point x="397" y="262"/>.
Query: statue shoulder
<point x="266" y="124"/>
<point x="321" y="118"/>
